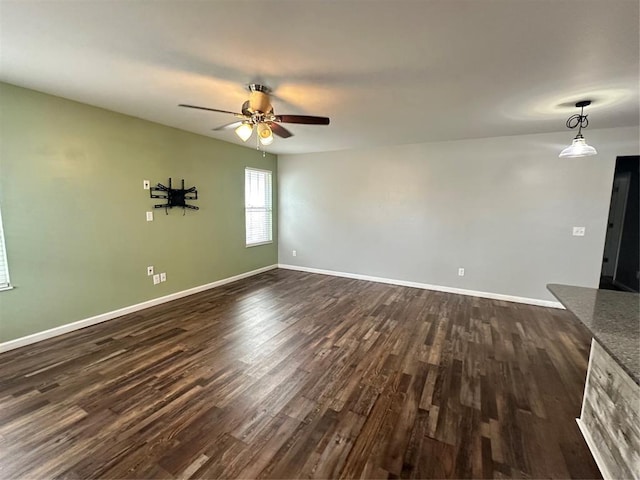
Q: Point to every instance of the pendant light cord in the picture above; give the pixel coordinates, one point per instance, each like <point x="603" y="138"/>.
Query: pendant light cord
<point x="579" y="119"/>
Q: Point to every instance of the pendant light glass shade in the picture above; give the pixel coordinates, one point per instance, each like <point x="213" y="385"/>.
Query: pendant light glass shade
<point x="244" y="131"/>
<point x="265" y="134"/>
<point x="578" y="148"/>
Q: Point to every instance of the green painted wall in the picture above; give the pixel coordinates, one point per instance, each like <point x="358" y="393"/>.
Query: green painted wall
<point x="73" y="210"/>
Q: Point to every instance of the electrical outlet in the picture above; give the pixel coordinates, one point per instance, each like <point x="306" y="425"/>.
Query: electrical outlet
<point x="156" y="279"/>
<point x="579" y="231"/>
<point x="163" y="277"/>
<point x="150" y="270"/>
<point x="461" y="272"/>
<point x="149" y="216"/>
<point x="294" y="253"/>
<point x="146" y="184"/>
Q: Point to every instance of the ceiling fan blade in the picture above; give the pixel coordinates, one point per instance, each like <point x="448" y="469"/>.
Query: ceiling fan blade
<point x="211" y="109"/>
<point x="228" y="126"/>
<point x="305" y="119"/>
<point x="280" y="130"/>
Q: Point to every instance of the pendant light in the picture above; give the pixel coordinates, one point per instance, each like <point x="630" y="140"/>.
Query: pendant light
<point x="579" y="146"/>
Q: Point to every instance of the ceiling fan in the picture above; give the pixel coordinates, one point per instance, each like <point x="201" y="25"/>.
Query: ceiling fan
<point x="257" y="113"/>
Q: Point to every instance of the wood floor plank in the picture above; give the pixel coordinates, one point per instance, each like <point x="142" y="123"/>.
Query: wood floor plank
<point x="289" y="375"/>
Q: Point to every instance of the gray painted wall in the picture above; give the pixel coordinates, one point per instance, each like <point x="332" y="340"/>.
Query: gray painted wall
<point x="502" y="208"/>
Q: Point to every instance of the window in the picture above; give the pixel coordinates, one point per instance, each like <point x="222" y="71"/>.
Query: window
<point x="257" y="206"/>
<point x="4" y="269"/>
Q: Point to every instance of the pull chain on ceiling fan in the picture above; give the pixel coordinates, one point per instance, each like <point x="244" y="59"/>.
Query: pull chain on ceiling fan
<point x="257" y="113"/>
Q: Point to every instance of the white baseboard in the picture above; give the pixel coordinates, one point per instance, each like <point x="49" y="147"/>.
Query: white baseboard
<point x="426" y="286"/>
<point x="69" y="327"/>
<point x="103" y="317"/>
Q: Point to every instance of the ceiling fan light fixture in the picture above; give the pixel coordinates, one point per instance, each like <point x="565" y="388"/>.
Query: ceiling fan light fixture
<point x="579" y="146"/>
<point x="244" y="131"/>
<point x="265" y="134"/>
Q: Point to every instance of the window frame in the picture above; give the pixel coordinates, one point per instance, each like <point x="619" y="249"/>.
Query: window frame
<point x="3" y="258"/>
<point x="268" y="209"/>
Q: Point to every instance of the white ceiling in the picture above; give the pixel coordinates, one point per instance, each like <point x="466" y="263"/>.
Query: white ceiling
<point x="386" y="72"/>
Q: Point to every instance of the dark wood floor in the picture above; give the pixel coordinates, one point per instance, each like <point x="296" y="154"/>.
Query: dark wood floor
<point x="289" y="374"/>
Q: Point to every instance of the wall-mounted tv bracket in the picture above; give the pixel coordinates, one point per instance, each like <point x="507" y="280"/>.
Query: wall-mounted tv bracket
<point x="176" y="197"/>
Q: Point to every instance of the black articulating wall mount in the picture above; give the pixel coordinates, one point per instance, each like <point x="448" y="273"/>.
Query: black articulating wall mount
<point x="176" y="197"/>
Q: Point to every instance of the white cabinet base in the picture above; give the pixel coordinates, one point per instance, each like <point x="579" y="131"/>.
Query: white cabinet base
<point x="610" y="417"/>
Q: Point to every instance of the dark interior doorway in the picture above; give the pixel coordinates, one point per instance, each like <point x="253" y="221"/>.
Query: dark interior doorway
<point x="621" y="258"/>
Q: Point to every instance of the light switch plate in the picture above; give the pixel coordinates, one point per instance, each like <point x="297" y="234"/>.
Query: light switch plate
<point x="149" y="216"/>
<point x="150" y="270"/>
<point x="146" y="184"/>
<point x="156" y="279"/>
<point x="579" y="231"/>
<point x="163" y="277"/>
<point x="461" y="272"/>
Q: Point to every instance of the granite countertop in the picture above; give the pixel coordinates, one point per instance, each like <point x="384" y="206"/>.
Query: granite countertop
<point x="612" y="317"/>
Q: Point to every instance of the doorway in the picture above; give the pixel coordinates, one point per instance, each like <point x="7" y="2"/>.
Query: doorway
<point x="621" y="257"/>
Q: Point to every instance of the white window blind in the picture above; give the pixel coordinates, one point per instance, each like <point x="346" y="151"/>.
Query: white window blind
<point x="257" y="206"/>
<point x="4" y="269"/>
